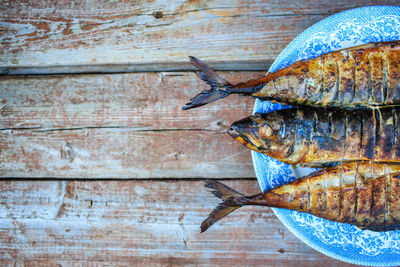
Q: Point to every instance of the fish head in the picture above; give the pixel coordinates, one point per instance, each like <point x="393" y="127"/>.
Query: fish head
<point x="265" y="133"/>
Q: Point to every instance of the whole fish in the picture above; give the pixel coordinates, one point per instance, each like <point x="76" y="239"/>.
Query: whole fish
<point x="363" y="194"/>
<point x="363" y="76"/>
<point x="316" y="137"/>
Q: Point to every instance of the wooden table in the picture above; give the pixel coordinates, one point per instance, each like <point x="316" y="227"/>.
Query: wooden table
<point x="100" y="165"/>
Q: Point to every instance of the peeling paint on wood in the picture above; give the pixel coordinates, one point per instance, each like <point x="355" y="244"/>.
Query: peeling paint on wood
<point x="131" y="126"/>
<point x="119" y="126"/>
<point x="145" y="101"/>
<point x="141" y="223"/>
<point x="122" y="153"/>
<point x="124" y="32"/>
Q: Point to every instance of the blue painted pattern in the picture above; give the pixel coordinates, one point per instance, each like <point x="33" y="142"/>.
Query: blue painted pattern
<point x="341" y="241"/>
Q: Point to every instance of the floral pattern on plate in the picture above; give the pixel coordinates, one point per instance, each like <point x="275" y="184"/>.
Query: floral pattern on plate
<point x="341" y="241"/>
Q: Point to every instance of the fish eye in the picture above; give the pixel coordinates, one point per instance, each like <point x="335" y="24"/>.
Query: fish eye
<point x="265" y="131"/>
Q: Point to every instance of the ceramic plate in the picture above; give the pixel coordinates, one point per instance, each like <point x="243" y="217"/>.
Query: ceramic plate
<point x="340" y="241"/>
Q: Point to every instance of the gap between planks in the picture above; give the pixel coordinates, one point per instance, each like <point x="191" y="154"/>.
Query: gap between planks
<point x="111" y="179"/>
<point x="131" y="68"/>
<point x="108" y="126"/>
<point x="146" y="223"/>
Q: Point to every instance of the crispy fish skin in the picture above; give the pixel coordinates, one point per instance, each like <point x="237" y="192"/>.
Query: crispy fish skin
<point x="363" y="194"/>
<point x="363" y="76"/>
<point x="318" y="136"/>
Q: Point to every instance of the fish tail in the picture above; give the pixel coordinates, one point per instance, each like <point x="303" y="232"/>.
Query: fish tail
<point x="232" y="200"/>
<point x="219" y="86"/>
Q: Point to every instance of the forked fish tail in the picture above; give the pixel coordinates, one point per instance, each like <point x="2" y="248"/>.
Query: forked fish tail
<point x="220" y="87"/>
<point x="232" y="200"/>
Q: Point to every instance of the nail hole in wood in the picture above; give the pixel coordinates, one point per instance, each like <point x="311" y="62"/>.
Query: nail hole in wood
<point x="158" y="14"/>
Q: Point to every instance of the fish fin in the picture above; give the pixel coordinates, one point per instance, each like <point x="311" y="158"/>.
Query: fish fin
<point x="218" y="85"/>
<point x="325" y="165"/>
<point x="232" y="200"/>
<point x="207" y="74"/>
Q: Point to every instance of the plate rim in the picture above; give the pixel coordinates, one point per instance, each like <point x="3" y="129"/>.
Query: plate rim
<point x="289" y="225"/>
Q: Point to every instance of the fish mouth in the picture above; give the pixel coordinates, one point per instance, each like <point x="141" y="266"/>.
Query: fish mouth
<point x="244" y="136"/>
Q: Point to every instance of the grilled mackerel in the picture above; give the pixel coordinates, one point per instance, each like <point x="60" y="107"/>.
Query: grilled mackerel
<point x="363" y="194"/>
<point x="363" y="76"/>
<point x="319" y="136"/>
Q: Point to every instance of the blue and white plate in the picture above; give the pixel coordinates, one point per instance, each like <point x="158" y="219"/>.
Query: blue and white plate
<point x="340" y="241"/>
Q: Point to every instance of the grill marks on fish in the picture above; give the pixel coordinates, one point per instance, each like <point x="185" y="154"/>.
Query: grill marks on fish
<point x="308" y="194"/>
<point x="371" y="185"/>
<point x="350" y="194"/>
<point x="369" y="79"/>
<point x="330" y="86"/>
<point x="356" y="178"/>
<point x="345" y="78"/>
<point x="361" y="77"/>
<point x="328" y="136"/>
<point x="349" y="78"/>
<point x="363" y="199"/>
<point x="377" y="115"/>
<point x="371" y="131"/>
<point x="365" y="76"/>
<point x="340" y="191"/>
<point x="354" y="80"/>
<point x="363" y="194"/>
<point x="368" y="136"/>
<point x="394" y="199"/>
<point x="393" y="74"/>
<point x="387" y="194"/>
<point x="378" y="208"/>
<point x="332" y="196"/>
<point x="365" y="189"/>
<point x="324" y="190"/>
<point x="347" y="140"/>
<point x="396" y="150"/>
<point x="375" y="62"/>
<point x="315" y="137"/>
<point x="295" y="146"/>
<point x="384" y="78"/>
<point x="315" y="78"/>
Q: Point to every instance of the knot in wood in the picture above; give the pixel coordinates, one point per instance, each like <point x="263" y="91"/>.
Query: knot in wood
<point x="158" y="14"/>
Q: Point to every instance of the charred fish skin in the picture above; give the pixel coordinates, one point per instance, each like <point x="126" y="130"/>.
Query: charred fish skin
<point x="362" y="194"/>
<point x="317" y="136"/>
<point x="347" y="78"/>
<point x="364" y="76"/>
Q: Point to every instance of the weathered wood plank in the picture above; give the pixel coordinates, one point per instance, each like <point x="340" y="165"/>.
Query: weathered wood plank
<point x="146" y="101"/>
<point x="118" y="126"/>
<point x="46" y="223"/>
<point x="122" y="153"/>
<point x="87" y="33"/>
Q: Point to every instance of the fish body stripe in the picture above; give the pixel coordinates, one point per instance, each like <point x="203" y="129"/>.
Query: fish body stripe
<point x="362" y="194"/>
<point x="334" y="135"/>
<point x="347" y="78"/>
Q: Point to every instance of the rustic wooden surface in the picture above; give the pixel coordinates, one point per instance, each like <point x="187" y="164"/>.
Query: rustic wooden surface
<point x="86" y="36"/>
<point x="97" y="158"/>
<point x="118" y="126"/>
<point x="143" y="223"/>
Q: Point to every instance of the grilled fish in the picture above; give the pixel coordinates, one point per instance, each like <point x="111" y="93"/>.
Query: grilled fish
<point x="363" y="76"/>
<point x="316" y="137"/>
<point x="363" y="194"/>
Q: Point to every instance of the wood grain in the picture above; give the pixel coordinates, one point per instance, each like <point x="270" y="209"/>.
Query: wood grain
<point x="130" y="126"/>
<point x="145" y="101"/>
<point x="122" y="153"/>
<point x="47" y="223"/>
<point x="133" y="33"/>
<point x="119" y="126"/>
